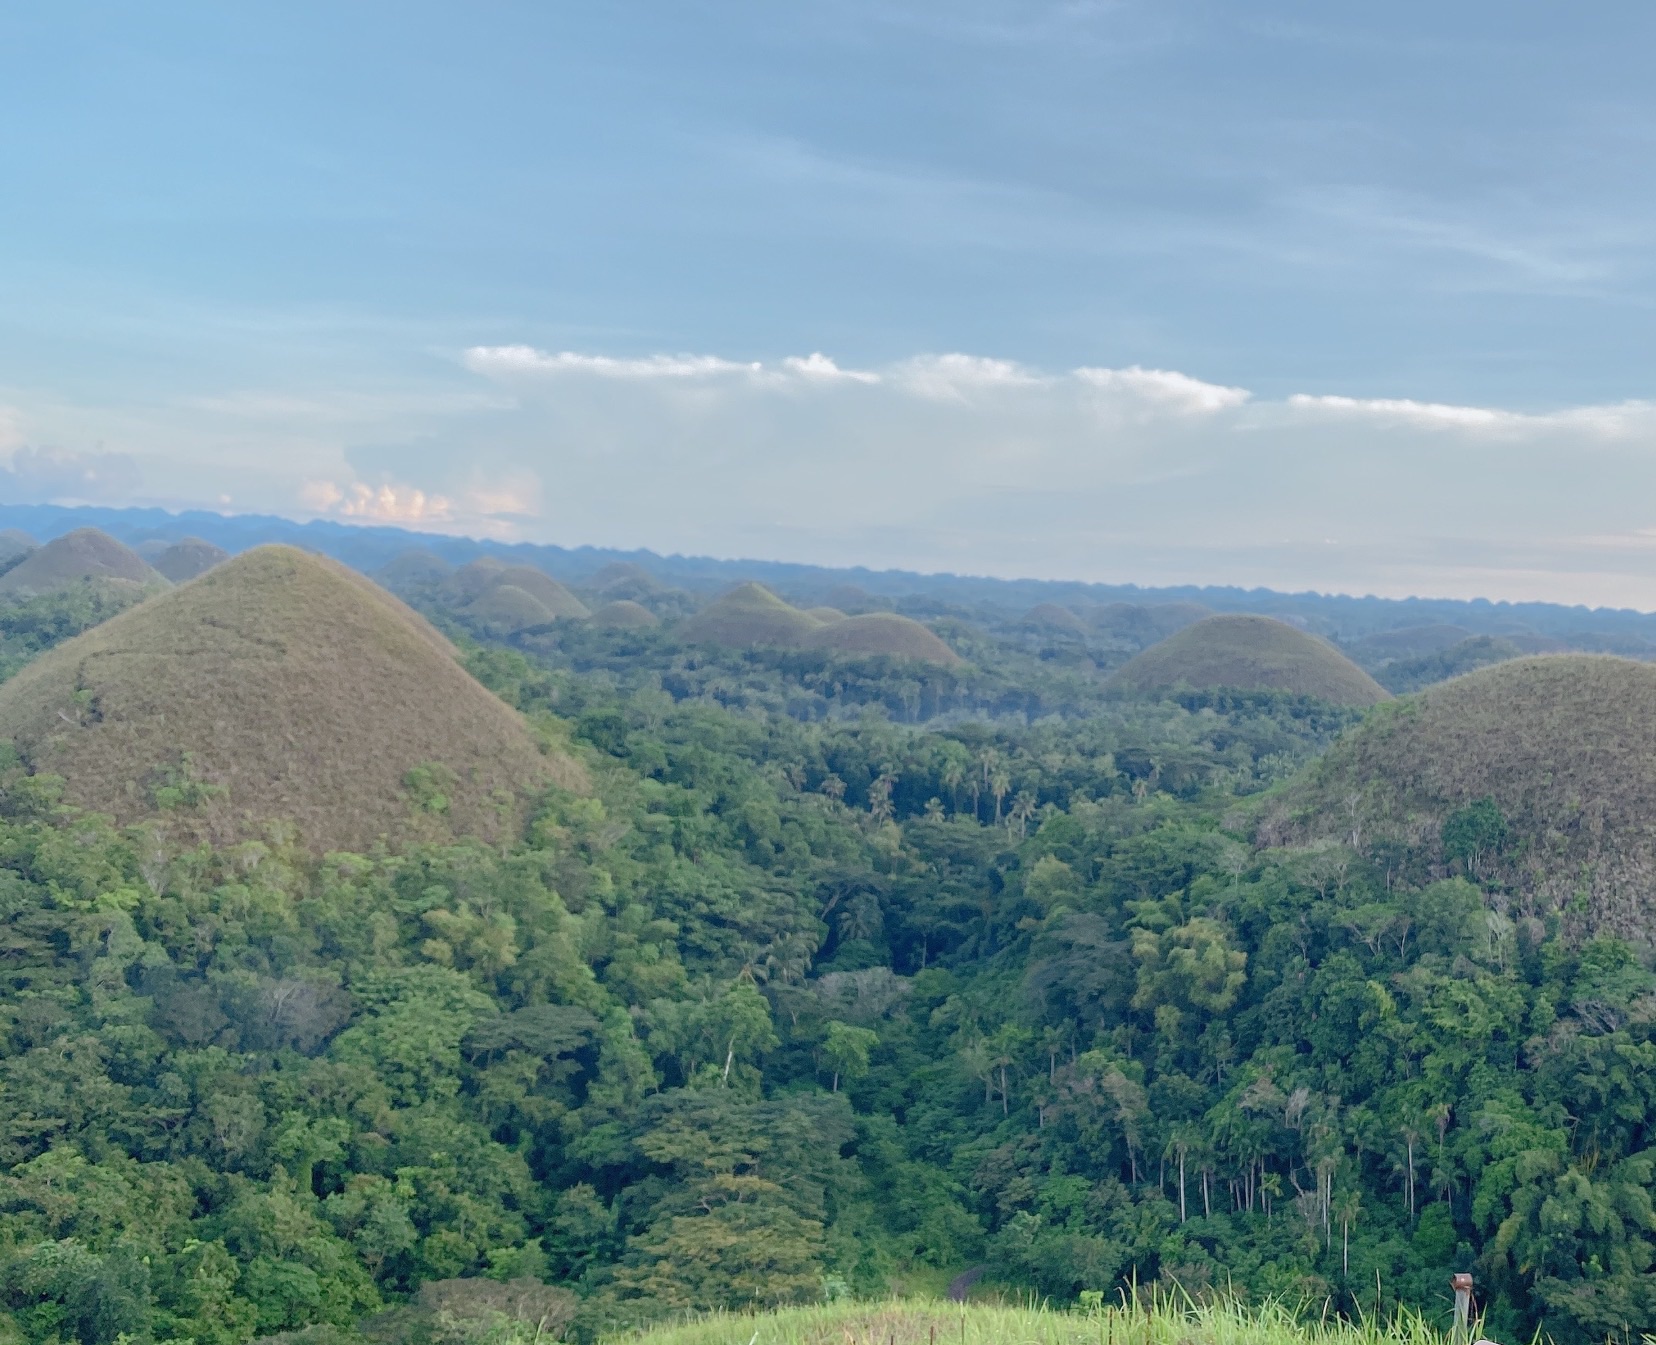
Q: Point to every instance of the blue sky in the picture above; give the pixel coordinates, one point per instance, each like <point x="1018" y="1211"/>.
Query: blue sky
<point x="1349" y="297"/>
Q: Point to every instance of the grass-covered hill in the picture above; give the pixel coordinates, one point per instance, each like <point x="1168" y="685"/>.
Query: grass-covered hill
<point x="85" y="553"/>
<point x="411" y="568"/>
<point x="752" y="617"/>
<point x="506" y="609"/>
<point x="881" y="634"/>
<point x="184" y="560"/>
<point x="1537" y="775"/>
<point x="749" y="616"/>
<point x="624" y="614"/>
<point x="1140" y="624"/>
<point x="473" y="581"/>
<point x="278" y="686"/>
<point x="1049" y="616"/>
<point x="1251" y="653"/>
<point x="15" y="544"/>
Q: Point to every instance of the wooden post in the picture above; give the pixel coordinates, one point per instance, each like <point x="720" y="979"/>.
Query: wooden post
<point x="1462" y="1285"/>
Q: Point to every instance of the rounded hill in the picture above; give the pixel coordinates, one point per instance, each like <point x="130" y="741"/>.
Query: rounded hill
<point x="279" y="686"/>
<point x="408" y="569"/>
<point x="478" y="577"/>
<point x="624" y="614"/>
<point x="1049" y="616"/>
<point x="544" y="589"/>
<point x="184" y="560"/>
<point x="1562" y="745"/>
<point x="507" y="609"/>
<point x="882" y="633"/>
<point x="15" y="543"/>
<point x="621" y="574"/>
<point x="1250" y="653"/>
<point x="748" y="617"/>
<point x="1143" y="624"/>
<point x="84" y="553"/>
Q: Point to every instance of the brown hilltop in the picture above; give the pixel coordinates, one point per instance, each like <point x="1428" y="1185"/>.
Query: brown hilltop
<point x="298" y="690"/>
<point x="414" y="567"/>
<point x="624" y="614"/>
<point x="1565" y="747"/>
<point x="881" y="633"/>
<point x="472" y="581"/>
<point x="749" y="616"/>
<point x="184" y="560"/>
<point x="1051" y="617"/>
<point x="507" y="609"/>
<point x="1250" y="653"/>
<point x="84" y="553"/>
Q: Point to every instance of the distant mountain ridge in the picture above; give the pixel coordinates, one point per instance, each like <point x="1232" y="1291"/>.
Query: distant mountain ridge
<point x="367" y="548"/>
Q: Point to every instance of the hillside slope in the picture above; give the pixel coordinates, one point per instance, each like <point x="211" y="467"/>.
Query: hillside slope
<point x="749" y="616"/>
<point x="1250" y="653"/>
<point x="85" y="553"/>
<point x="1565" y="747"/>
<point x="881" y="633"/>
<point x="184" y="560"/>
<point x="292" y="689"/>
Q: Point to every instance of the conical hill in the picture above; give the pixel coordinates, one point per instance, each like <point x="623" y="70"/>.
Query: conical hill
<point x="279" y="686"/>
<point x="184" y="560"/>
<point x="507" y="609"/>
<point x="881" y="633"/>
<point x="624" y="614"/>
<point x="411" y="568"/>
<point x="747" y="617"/>
<point x="1538" y="775"/>
<point x="1250" y="653"/>
<point x="473" y="580"/>
<point x="84" y="553"/>
<point x="544" y="589"/>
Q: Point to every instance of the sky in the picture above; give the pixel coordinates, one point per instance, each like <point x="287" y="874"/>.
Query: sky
<point x="1355" y="298"/>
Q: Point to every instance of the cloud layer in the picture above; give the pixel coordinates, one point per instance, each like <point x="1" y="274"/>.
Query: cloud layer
<point x="941" y="461"/>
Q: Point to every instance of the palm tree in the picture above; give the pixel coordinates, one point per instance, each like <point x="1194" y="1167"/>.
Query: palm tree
<point x="1000" y="781"/>
<point x="1023" y="808"/>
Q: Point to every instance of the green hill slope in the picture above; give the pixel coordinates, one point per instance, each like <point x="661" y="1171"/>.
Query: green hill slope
<point x="1564" y="745"/>
<point x="289" y="686"/>
<point x="1250" y="653"/>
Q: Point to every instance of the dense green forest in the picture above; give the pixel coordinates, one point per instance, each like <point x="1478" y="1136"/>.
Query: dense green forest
<point x="806" y="1000"/>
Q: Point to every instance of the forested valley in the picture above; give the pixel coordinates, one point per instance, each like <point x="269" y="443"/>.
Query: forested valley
<point x="840" y="977"/>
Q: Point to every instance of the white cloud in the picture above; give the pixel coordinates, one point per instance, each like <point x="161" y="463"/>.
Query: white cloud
<point x="956" y="377"/>
<point x="510" y="360"/>
<point x="63" y="476"/>
<point x="819" y="368"/>
<point x="400" y="505"/>
<point x="1618" y="421"/>
<point x="1166" y="388"/>
<point x="942" y="461"/>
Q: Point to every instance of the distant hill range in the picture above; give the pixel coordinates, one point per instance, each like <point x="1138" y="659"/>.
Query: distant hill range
<point x="625" y="574"/>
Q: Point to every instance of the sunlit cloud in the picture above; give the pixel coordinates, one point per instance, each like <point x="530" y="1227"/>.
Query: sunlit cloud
<point x="938" y="461"/>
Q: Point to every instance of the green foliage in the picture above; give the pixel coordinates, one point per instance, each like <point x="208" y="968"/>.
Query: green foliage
<point x="800" y="1003"/>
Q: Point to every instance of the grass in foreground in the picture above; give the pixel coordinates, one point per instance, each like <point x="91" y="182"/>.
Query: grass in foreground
<point x="909" y="1322"/>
